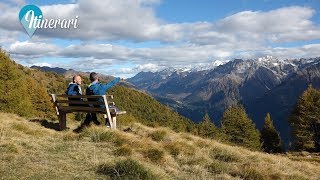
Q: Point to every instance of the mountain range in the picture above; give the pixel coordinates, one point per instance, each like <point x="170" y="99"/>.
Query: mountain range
<point x="262" y="85"/>
<point x="69" y="73"/>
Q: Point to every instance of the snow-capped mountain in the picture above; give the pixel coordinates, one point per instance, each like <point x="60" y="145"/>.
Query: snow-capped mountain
<point x="262" y="85"/>
<point x="164" y="73"/>
<point x="280" y="66"/>
<point x="238" y="67"/>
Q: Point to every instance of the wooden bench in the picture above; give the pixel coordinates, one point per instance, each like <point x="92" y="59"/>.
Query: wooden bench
<point x="88" y="104"/>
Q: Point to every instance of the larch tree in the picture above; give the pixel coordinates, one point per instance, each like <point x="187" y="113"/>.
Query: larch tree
<point x="239" y="128"/>
<point x="270" y="138"/>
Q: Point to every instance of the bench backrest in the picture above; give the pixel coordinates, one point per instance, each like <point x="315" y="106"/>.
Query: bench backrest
<point x="82" y="103"/>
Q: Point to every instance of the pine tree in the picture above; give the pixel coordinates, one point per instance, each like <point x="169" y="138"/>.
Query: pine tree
<point x="305" y="121"/>
<point x="206" y="128"/>
<point x="239" y="129"/>
<point x="270" y="138"/>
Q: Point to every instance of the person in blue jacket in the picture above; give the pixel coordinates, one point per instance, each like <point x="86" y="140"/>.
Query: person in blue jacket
<point x="74" y="87"/>
<point x="96" y="88"/>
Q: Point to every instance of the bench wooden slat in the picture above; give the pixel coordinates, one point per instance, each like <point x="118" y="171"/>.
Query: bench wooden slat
<point x="80" y="102"/>
<point x="84" y="96"/>
<point x="88" y="109"/>
<point x="81" y="109"/>
<point x="84" y="102"/>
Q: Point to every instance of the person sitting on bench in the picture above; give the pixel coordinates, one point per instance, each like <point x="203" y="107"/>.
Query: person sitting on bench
<point x="74" y="88"/>
<point x="97" y="88"/>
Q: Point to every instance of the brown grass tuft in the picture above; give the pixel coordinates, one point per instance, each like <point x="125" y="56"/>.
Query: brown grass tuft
<point x="158" y="135"/>
<point x="126" y="169"/>
<point x="155" y="155"/>
<point x="123" y="151"/>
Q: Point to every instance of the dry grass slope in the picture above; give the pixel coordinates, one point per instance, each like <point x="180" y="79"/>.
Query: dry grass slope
<point x="31" y="151"/>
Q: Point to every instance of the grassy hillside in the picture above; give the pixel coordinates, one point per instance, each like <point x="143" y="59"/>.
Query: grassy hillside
<point x="30" y="149"/>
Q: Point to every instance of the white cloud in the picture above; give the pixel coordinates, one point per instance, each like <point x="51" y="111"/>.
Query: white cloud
<point x="136" y="21"/>
<point x="111" y="20"/>
<point x="99" y="20"/>
<point x="306" y="51"/>
<point x="18" y="2"/>
<point x="96" y="51"/>
<point x="33" y="49"/>
<point x="246" y="34"/>
<point x="147" y="67"/>
<point x="8" y="37"/>
<point x="100" y="55"/>
<point x="143" y="67"/>
<point x="288" y="24"/>
<point x="43" y="64"/>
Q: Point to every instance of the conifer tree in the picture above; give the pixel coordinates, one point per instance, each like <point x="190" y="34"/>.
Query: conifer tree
<point x="239" y="128"/>
<point x="40" y="99"/>
<point x="206" y="128"/>
<point x="14" y="97"/>
<point x="305" y="121"/>
<point x="270" y="138"/>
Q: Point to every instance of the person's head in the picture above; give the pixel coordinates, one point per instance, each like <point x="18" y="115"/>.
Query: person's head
<point x="77" y="79"/>
<point x="94" y="77"/>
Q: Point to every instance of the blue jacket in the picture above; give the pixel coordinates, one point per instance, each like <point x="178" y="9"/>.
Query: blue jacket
<point x="97" y="88"/>
<point x="74" y="89"/>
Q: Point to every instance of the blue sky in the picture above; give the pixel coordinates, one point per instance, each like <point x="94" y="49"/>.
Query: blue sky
<point x="121" y="38"/>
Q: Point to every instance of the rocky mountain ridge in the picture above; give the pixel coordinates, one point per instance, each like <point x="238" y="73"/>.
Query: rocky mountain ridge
<point x="262" y="85"/>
